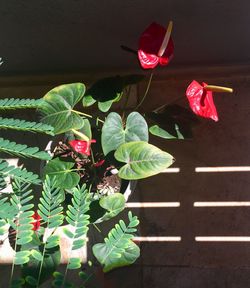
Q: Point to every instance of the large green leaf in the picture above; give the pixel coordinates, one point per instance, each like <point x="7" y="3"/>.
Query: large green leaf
<point x="62" y="171"/>
<point x="127" y="257"/>
<point x="113" y="133"/>
<point x="114" y="204"/>
<point x="57" y="109"/>
<point x="142" y="160"/>
<point x="158" y="131"/>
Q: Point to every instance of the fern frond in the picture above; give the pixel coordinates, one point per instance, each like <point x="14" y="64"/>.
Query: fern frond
<point x="22" y="150"/>
<point x="20" y="200"/>
<point x="77" y="217"/>
<point x="7" y="213"/>
<point x="118" y="248"/>
<point x="3" y="183"/>
<point x="16" y="172"/>
<point x="50" y="208"/>
<point x="79" y="221"/>
<point x="12" y="103"/>
<point x="22" y="125"/>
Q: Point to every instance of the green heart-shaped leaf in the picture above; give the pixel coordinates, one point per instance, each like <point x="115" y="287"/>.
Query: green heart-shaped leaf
<point x="105" y="106"/>
<point x="114" y="203"/>
<point x="62" y="171"/>
<point x="88" y="100"/>
<point x="142" y="160"/>
<point x="57" y="109"/>
<point x="114" y="135"/>
<point x="86" y="129"/>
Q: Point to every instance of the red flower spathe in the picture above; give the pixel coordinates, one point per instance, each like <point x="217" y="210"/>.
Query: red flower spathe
<point x="81" y="146"/>
<point x="201" y="100"/>
<point x="149" y="45"/>
<point x="37" y="221"/>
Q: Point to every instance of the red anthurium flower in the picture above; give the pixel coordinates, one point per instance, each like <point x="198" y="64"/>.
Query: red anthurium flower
<point x="150" y="51"/>
<point x="81" y="146"/>
<point x="201" y="100"/>
<point x="37" y="219"/>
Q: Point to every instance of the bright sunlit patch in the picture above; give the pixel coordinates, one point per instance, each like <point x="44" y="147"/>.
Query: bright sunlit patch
<point x="157" y="239"/>
<point x="152" y="204"/>
<point x="223" y="169"/>
<point x="171" y="170"/>
<point x="222" y="204"/>
<point x="222" y="239"/>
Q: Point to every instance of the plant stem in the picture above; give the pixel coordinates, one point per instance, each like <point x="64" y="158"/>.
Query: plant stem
<point x="13" y="263"/>
<point x="146" y="92"/>
<point x="81" y="113"/>
<point x="127" y="93"/>
<point x="96" y="227"/>
<point x="41" y="266"/>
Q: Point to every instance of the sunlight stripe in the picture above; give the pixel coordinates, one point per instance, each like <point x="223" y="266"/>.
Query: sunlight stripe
<point x="171" y="170"/>
<point x="222" y="204"/>
<point x="222" y="239"/>
<point x="223" y="169"/>
<point x="158" y="239"/>
<point x="152" y="204"/>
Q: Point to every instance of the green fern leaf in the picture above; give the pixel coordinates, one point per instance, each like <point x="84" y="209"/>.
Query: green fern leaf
<point x="50" y="208"/>
<point x="22" y="150"/>
<point x="77" y="217"/>
<point x="12" y="103"/>
<point x="19" y="202"/>
<point x="22" y="257"/>
<point x="74" y="263"/>
<point x="3" y="228"/>
<point x="23" y="125"/>
<point x="118" y="248"/>
<point x="7" y="211"/>
<point x="19" y="173"/>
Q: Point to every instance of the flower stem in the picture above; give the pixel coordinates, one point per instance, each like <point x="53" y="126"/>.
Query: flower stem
<point x="214" y="88"/>
<point x="166" y="39"/>
<point x="146" y="92"/>
<point x="80" y="134"/>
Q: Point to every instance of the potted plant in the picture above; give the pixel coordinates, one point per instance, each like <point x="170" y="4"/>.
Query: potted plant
<point x="89" y="165"/>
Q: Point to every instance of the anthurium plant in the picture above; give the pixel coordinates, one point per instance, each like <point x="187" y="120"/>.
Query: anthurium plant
<point x="88" y="166"/>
